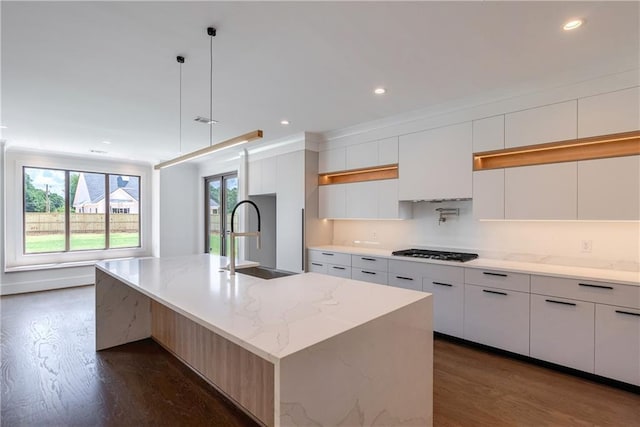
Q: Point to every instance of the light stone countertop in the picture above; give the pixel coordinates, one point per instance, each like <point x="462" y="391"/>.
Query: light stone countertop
<point x="531" y="266"/>
<point x="271" y="318"/>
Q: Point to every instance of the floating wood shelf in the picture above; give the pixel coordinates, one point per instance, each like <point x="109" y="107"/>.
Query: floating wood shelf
<point x="359" y="175"/>
<point x="597" y="147"/>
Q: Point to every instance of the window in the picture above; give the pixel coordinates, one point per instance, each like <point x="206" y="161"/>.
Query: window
<point x="221" y="195"/>
<point x="75" y="210"/>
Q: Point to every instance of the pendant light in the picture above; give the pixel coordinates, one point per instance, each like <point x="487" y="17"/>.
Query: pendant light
<point x="238" y="140"/>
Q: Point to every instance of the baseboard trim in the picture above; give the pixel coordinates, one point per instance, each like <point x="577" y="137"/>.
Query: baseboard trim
<point x="586" y="375"/>
<point x="46" y="285"/>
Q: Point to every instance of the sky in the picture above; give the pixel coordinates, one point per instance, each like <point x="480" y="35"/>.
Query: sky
<point x="41" y="177"/>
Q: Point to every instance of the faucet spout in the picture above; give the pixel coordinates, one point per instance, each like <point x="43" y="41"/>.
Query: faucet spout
<point x="233" y="234"/>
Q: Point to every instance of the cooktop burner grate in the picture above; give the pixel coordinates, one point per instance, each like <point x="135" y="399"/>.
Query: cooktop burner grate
<point x="438" y="255"/>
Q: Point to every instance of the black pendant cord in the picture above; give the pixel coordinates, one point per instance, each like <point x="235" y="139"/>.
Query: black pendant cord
<point x="180" y="121"/>
<point x="180" y="60"/>
<point x="210" y="90"/>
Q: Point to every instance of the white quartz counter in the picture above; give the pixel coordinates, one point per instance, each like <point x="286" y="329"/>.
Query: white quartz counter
<point x="271" y="318"/>
<point x="540" y="267"/>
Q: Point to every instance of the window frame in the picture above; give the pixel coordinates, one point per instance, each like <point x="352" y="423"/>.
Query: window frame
<point x="15" y="161"/>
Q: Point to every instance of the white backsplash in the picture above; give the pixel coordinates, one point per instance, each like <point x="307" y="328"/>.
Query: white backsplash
<point x="614" y="244"/>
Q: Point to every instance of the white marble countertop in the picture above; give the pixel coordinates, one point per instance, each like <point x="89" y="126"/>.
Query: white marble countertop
<point x="529" y="267"/>
<point x="271" y="318"/>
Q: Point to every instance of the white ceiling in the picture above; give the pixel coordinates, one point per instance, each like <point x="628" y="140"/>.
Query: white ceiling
<point x="77" y="73"/>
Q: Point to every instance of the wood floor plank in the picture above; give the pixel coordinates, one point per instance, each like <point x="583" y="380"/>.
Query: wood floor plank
<point x="51" y="375"/>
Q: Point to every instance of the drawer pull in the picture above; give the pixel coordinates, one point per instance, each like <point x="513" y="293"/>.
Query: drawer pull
<point x="315" y="263"/>
<point x="630" y="313"/>
<point x="560" y="302"/>
<point x="404" y="278"/>
<point x="367" y="259"/>
<point x="494" y="292"/>
<point x="494" y="274"/>
<point x="368" y="272"/>
<point x="338" y="268"/>
<point x="443" y="284"/>
<point x="327" y="253"/>
<point x="595" y="286"/>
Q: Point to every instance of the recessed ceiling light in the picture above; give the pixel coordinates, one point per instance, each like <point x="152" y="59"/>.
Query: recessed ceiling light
<point x="379" y="91"/>
<point x="284" y="122"/>
<point x="106" y="142"/>
<point x="572" y="24"/>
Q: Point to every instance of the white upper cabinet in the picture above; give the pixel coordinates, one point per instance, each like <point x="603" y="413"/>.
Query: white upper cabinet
<point x="263" y="176"/>
<point x="332" y="201"/>
<point x="609" y="189"/>
<point x="541" y="192"/>
<point x="332" y="160"/>
<point x="488" y="194"/>
<point x="255" y="177"/>
<point x="550" y="123"/>
<point x="609" y="113"/>
<point x="375" y="153"/>
<point x="362" y="200"/>
<point x="488" y="134"/>
<point x="436" y="164"/>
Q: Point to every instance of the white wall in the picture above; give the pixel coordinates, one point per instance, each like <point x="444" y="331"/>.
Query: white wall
<point x="560" y="241"/>
<point x="179" y="210"/>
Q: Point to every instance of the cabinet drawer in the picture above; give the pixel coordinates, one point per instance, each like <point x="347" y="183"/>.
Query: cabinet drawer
<point x="329" y="257"/>
<point x="618" y="343"/>
<point x="497" y="317"/>
<point x="448" y="306"/>
<point x="444" y="273"/>
<point x="408" y="268"/>
<point x="587" y="290"/>
<point x="497" y="279"/>
<point x="368" y="275"/>
<point x="407" y="281"/>
<point x="562" y="331"/>
<point x="369" y="262"/>
<point x="339" y="271"/>
<point x="317" y="267"/>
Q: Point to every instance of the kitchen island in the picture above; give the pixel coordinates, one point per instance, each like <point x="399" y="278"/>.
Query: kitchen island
<point x="307" y="349"/>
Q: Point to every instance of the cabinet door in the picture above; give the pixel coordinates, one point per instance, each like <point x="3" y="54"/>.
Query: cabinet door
<point x="609" y="189"/>
<point x="488" y="194"/>
<point x="497" y="317"/>
<point x="488" y="134"/>
<point x="541" y="192"/>
<point x="388" y="151"/>
<point x="448" y="305"/>
<point x="389" y="207"/>
<point x="269" y="174"/>
<point x="332" y="201"/>
<point x="607" y="113"/>
<point x="617" y="350"/>
<point x="362" y="155"/>
<point x="436" y="164"/>
<point x="255" y="177"/>
<point x="562" y="331"/>
<point x="332" y="160"/>
<point x="550" y="123"/>
<point x="362" y="199"/>
<point x="289" y="205"/>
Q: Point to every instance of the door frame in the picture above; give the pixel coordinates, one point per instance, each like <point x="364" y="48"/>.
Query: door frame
<point x="222" y="177"/>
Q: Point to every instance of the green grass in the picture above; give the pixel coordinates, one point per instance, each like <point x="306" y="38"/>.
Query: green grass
<point x="214" y="244"/>
<point x="55" y="242"/>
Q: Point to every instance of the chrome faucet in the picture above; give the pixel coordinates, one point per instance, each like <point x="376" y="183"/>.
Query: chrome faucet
<point x="233" y="235"/>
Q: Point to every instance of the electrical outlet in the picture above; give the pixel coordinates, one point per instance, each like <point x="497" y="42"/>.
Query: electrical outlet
<point x="586" y="246"/>
<point x="374" y="236"/>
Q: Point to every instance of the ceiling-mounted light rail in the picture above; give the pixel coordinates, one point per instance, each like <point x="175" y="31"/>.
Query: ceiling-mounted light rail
<point x="596" y="147"/>
<point x="238" y="140"/>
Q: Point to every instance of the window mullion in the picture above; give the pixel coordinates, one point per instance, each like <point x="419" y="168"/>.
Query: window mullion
<point x="67" y="213"/>
<point x="107" y="211"/>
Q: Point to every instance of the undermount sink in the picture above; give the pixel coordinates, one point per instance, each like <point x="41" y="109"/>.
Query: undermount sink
<point x="264" y="272"/>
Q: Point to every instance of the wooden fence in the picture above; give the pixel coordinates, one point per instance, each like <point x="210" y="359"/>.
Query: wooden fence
<point x="37" y="223"/>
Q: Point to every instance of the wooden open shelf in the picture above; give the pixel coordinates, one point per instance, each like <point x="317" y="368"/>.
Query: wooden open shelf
<point x="359" y="175"/>
<point x="597" y="147"/>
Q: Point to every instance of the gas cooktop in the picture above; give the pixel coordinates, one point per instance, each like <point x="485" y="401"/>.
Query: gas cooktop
<point x="439" y="255"/>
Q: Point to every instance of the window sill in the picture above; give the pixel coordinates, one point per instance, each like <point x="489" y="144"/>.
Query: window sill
<point x="57" y="265"/>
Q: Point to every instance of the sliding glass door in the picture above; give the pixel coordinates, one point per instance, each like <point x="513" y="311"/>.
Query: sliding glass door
<point x="221" y="195"/>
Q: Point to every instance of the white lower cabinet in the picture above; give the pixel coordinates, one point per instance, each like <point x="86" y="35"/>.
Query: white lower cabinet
<point x="317" y="267"/>
<point x="617" y="343"/>
<point x="497" y="317"/>
<point x="448" y="305"/>
<point x="369" y="275"/>
<point x="562" y="331"/>
<point x="339" y="271"/>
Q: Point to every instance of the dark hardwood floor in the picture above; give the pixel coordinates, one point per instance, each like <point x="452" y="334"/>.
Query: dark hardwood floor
<point x="52" y="376"/>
